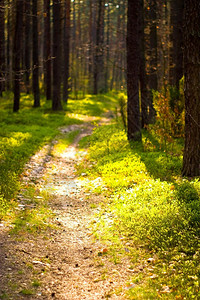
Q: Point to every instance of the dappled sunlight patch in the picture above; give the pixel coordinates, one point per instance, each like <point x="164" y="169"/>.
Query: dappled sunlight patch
<point x="15" y="139"/>
<point x="143" y="215"/>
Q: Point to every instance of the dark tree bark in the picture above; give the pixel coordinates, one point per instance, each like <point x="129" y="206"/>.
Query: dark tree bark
<point x="47" y="49"/>
<point x="56" y="101"/>
<point x="143" y="76"/>
<point x="133" y="65"/>
<point x="27" y="45"/>
<point x="2" y="46"/>
<point x="153" y="82"/>
<point x="8" y="49"/>
<point x="35" y="53"/>
<point x="152" y="78"/>
<point x="66" y="51"/>
<point x="107" y="48"/>
<point x="191" y="157"/>
<point x="17" y="54"/>
<point x="98" y="58"/>
<point x="91" y="46"/>
<point x="176" y="69"/>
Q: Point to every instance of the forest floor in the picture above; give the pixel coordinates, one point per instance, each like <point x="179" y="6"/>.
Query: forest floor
<point x="64" y="261"/>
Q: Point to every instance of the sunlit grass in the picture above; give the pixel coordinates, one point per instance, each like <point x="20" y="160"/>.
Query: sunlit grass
<point x="149" y="211"/>
<point x="25" y="132"/>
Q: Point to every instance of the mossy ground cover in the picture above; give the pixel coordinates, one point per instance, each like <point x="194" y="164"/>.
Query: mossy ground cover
<point x="150" y="213"/>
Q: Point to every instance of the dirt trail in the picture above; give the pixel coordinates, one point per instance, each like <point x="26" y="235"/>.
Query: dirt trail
<point x="64" y="262"/>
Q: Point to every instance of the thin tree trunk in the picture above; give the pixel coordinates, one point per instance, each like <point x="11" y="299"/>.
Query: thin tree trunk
<point x="176" y="69"/>
<point x="133" y="65"/>
<point x="27" y="45"/>
<point x="47" y="49"/>
<point x="153" y="71"/>
<point x="98" y="58"/>
<point x="17" y="54"/>
<point x="66" y="51"/>
<point x="9" y="48"/>
<point x="56" y="101"/>
<point x="107" y="48"/>
<point x="2" y="46"/>
<point x="36" y="91"/>
<point x="143" y="76"/>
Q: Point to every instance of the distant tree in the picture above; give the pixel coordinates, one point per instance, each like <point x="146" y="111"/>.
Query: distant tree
<point x="56" y="100"/>
<point x="35" y="53"/>
<point x="47" y="49"/>
<point x="27" y="45"/>
<point x="176" y="68"/>
<point x="191" y="157"/>
<point x="2" y="46"/>
<point x="133" y="70"/>
<point x="8" y="47"/>
<point x="17" y="54"/>
<point x="66" y="43"/>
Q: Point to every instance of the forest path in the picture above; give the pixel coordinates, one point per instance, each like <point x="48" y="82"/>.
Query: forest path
<point x="64" y="262"/>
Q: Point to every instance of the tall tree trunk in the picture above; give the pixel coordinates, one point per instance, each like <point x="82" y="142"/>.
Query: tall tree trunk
<point x="91" y="47"/>
<point x="143" y="76"/>
<point x="74" y="48"/>
<point x="9" y="47"/>
<point x="107" y="48"/>
<point x="160" y="44"/>
<point x="47" y="49"/>
<point x="176" y="70"/>
<point x="133" y="65"/>
<point x="27" y="45"/>
<point x="153" y="71"/>
<point x="191" y="157"/>
<point x="2" y="46"/>
<point x="17" y="54"/>
<point x="66" y="51"/>
<point x="56" y="101"/>
<point x="98" y="58"/>
<point x="36" y="91"/>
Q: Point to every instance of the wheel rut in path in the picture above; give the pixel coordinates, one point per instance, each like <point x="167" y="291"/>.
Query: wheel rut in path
<point x="64" y="261"/>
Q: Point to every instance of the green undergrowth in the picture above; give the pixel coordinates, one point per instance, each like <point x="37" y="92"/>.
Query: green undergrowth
<point x="25" y="132"/>
<point x="21" y="135"/>
<point x="149" y="212"/>
<point x="93" y="105"/>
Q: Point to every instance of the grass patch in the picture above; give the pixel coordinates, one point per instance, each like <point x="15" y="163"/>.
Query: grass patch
<point x="93" y="105"/>
<point x="149" y="212"/>
<point x="25" y="132"/>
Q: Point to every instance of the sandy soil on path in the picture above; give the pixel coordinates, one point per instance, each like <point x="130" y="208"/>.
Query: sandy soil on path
<point x="62" y="263"/>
